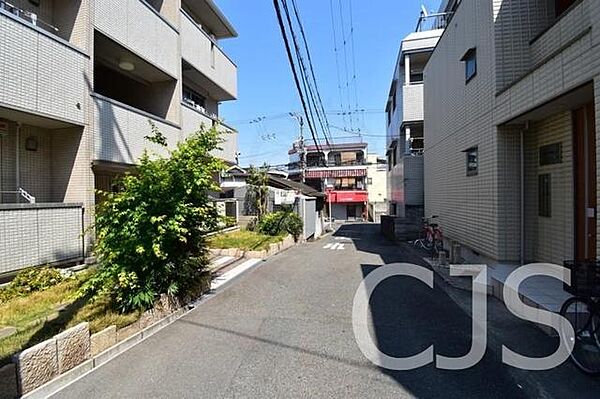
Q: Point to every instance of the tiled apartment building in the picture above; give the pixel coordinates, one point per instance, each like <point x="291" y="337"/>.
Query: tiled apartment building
<point x="512" y="101"/>
<point x="79" y="83"/>
<point x="404" y="113"/>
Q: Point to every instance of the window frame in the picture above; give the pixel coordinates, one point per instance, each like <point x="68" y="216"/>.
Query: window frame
<point x="470" y="57"/>
<point x="469" y="170"/>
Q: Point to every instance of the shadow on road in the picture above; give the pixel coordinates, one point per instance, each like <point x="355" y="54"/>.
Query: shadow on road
<point x="408" y="317"/>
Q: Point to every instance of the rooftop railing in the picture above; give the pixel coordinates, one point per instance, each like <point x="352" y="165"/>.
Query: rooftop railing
<point x="433" y="21"/>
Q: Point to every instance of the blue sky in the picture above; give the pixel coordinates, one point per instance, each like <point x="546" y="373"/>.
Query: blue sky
<point x="265" y="83"/>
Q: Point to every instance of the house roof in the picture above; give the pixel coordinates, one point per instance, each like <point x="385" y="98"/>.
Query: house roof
<point x="278" y="182"/>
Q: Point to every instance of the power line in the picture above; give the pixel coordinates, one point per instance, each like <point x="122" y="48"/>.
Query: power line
<point x="344" y="45"/>
<point x="294" y="72"/>
<point x="312" y="71"/>
<point x="308" y="88"/>
<point x="337" y="62"/>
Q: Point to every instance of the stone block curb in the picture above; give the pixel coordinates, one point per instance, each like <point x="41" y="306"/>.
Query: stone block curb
<point x="53" y="386"/>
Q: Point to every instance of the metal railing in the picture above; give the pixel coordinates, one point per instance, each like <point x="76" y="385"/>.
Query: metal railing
<point x="28" y="16"/>
<point x="433" y="21"/>
<point x="20" y="193"/>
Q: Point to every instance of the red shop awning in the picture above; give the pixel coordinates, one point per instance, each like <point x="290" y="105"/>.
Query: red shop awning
<point x="346" y="197"/>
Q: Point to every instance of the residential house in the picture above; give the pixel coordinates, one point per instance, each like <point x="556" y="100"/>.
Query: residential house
<point x="79" y="83"/>
<point x="340" y="170"/>
<point x="376" y="187"/>
<point x="512" y="101"/>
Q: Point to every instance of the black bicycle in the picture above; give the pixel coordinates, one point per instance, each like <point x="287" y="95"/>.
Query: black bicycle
<point x="583" y="312"/>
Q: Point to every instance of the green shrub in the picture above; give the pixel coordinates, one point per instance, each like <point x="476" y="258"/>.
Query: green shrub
<point x="294" y="225"/>
<point x="278" y="223"/>
<point x="150" y="235"/>
<point x="31" y="280"/>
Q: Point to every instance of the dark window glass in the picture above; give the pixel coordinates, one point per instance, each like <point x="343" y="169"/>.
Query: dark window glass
<point x="192" y="98"/>
<point x="470" y="60"/>
<point x="472" y="161"/>
<point x="551" y="154"/>
<point x="545" y="195"/>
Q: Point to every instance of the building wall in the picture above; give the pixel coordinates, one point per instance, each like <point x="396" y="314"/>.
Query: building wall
<point x="136" y="26"/>
<point x="378" y="175"/>
<point x="549" y="239"/>
<point x="413" y="180"/>
<point x="458" y="116"/>
<point x="518" y="71"/>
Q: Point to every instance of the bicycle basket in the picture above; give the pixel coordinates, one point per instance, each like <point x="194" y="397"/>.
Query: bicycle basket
<point x="585" y="278"/>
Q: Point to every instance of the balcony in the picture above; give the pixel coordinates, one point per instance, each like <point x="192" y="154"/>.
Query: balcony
<point x="209" y="66"/>
<point x="412" y="103"/>
<point x="120" y="130"/>
<point x="193" y="118"/>
<point x="570" y="26"/>
<point x="41" y="72"/>
<point x="140" y="28"/>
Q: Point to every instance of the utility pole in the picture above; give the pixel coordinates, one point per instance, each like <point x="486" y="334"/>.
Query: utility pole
<point x="301" y="152"/>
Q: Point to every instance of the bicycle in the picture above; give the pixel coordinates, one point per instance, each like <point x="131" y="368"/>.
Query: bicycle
<point x="583" y="313"/>
<point x="432" y="238"/>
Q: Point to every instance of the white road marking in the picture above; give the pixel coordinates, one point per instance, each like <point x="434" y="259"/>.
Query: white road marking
<point x="334" y="246"/>
<point x="219" y="281"/>
<point x="327" y="246"/>
<point x="340" y="247"/>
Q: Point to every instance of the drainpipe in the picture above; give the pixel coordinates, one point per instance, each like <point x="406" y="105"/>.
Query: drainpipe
<point x="18" y="160"/>
<point x="522" y="151"/>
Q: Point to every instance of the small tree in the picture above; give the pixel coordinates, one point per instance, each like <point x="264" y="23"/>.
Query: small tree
<point x="150" y="235"/>
<point x="258" y="183"/>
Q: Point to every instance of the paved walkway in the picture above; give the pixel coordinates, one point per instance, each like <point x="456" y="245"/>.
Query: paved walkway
<point x="284" y="330"/>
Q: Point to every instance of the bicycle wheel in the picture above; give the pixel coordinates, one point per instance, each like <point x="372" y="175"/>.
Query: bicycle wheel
<point x="580" y="312"/>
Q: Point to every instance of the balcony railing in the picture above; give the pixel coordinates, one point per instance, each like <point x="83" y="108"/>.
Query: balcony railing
<point x="39" y="234"/>
<point x="42" y="73"/>
<point x="121" y="131"/>
<point x="28" y="16"/>
<point x="204" y="54"/>
<point x="433" y="21"/>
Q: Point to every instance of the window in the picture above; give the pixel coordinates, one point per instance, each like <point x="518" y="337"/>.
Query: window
<point x="212" y="55"/>
<point x="472" y="161"/>
<point x="545" y="195"/>
<point x="470" y="60"/>
<point x="193" y="99"/>
<point x="551" y="154"/>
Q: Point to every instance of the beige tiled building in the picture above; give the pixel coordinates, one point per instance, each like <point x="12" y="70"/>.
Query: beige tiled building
<point x="512" y="101"/>
<point x="79" y="83"/>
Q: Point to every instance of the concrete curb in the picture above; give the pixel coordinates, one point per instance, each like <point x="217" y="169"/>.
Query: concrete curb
<point x="102" y="358"/>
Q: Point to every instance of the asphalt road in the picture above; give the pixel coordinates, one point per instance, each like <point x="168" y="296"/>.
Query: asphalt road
<point x="285" y="330"/>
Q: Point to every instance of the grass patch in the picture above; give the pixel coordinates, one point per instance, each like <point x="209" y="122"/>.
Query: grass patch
<point x="244" y="239"/>
<point x="43" y="314"/>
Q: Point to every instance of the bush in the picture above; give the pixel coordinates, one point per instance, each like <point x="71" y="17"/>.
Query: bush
<point x="31" y="280"/>
<point x="281" y="222"/>
<point x="150" y="235"/>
